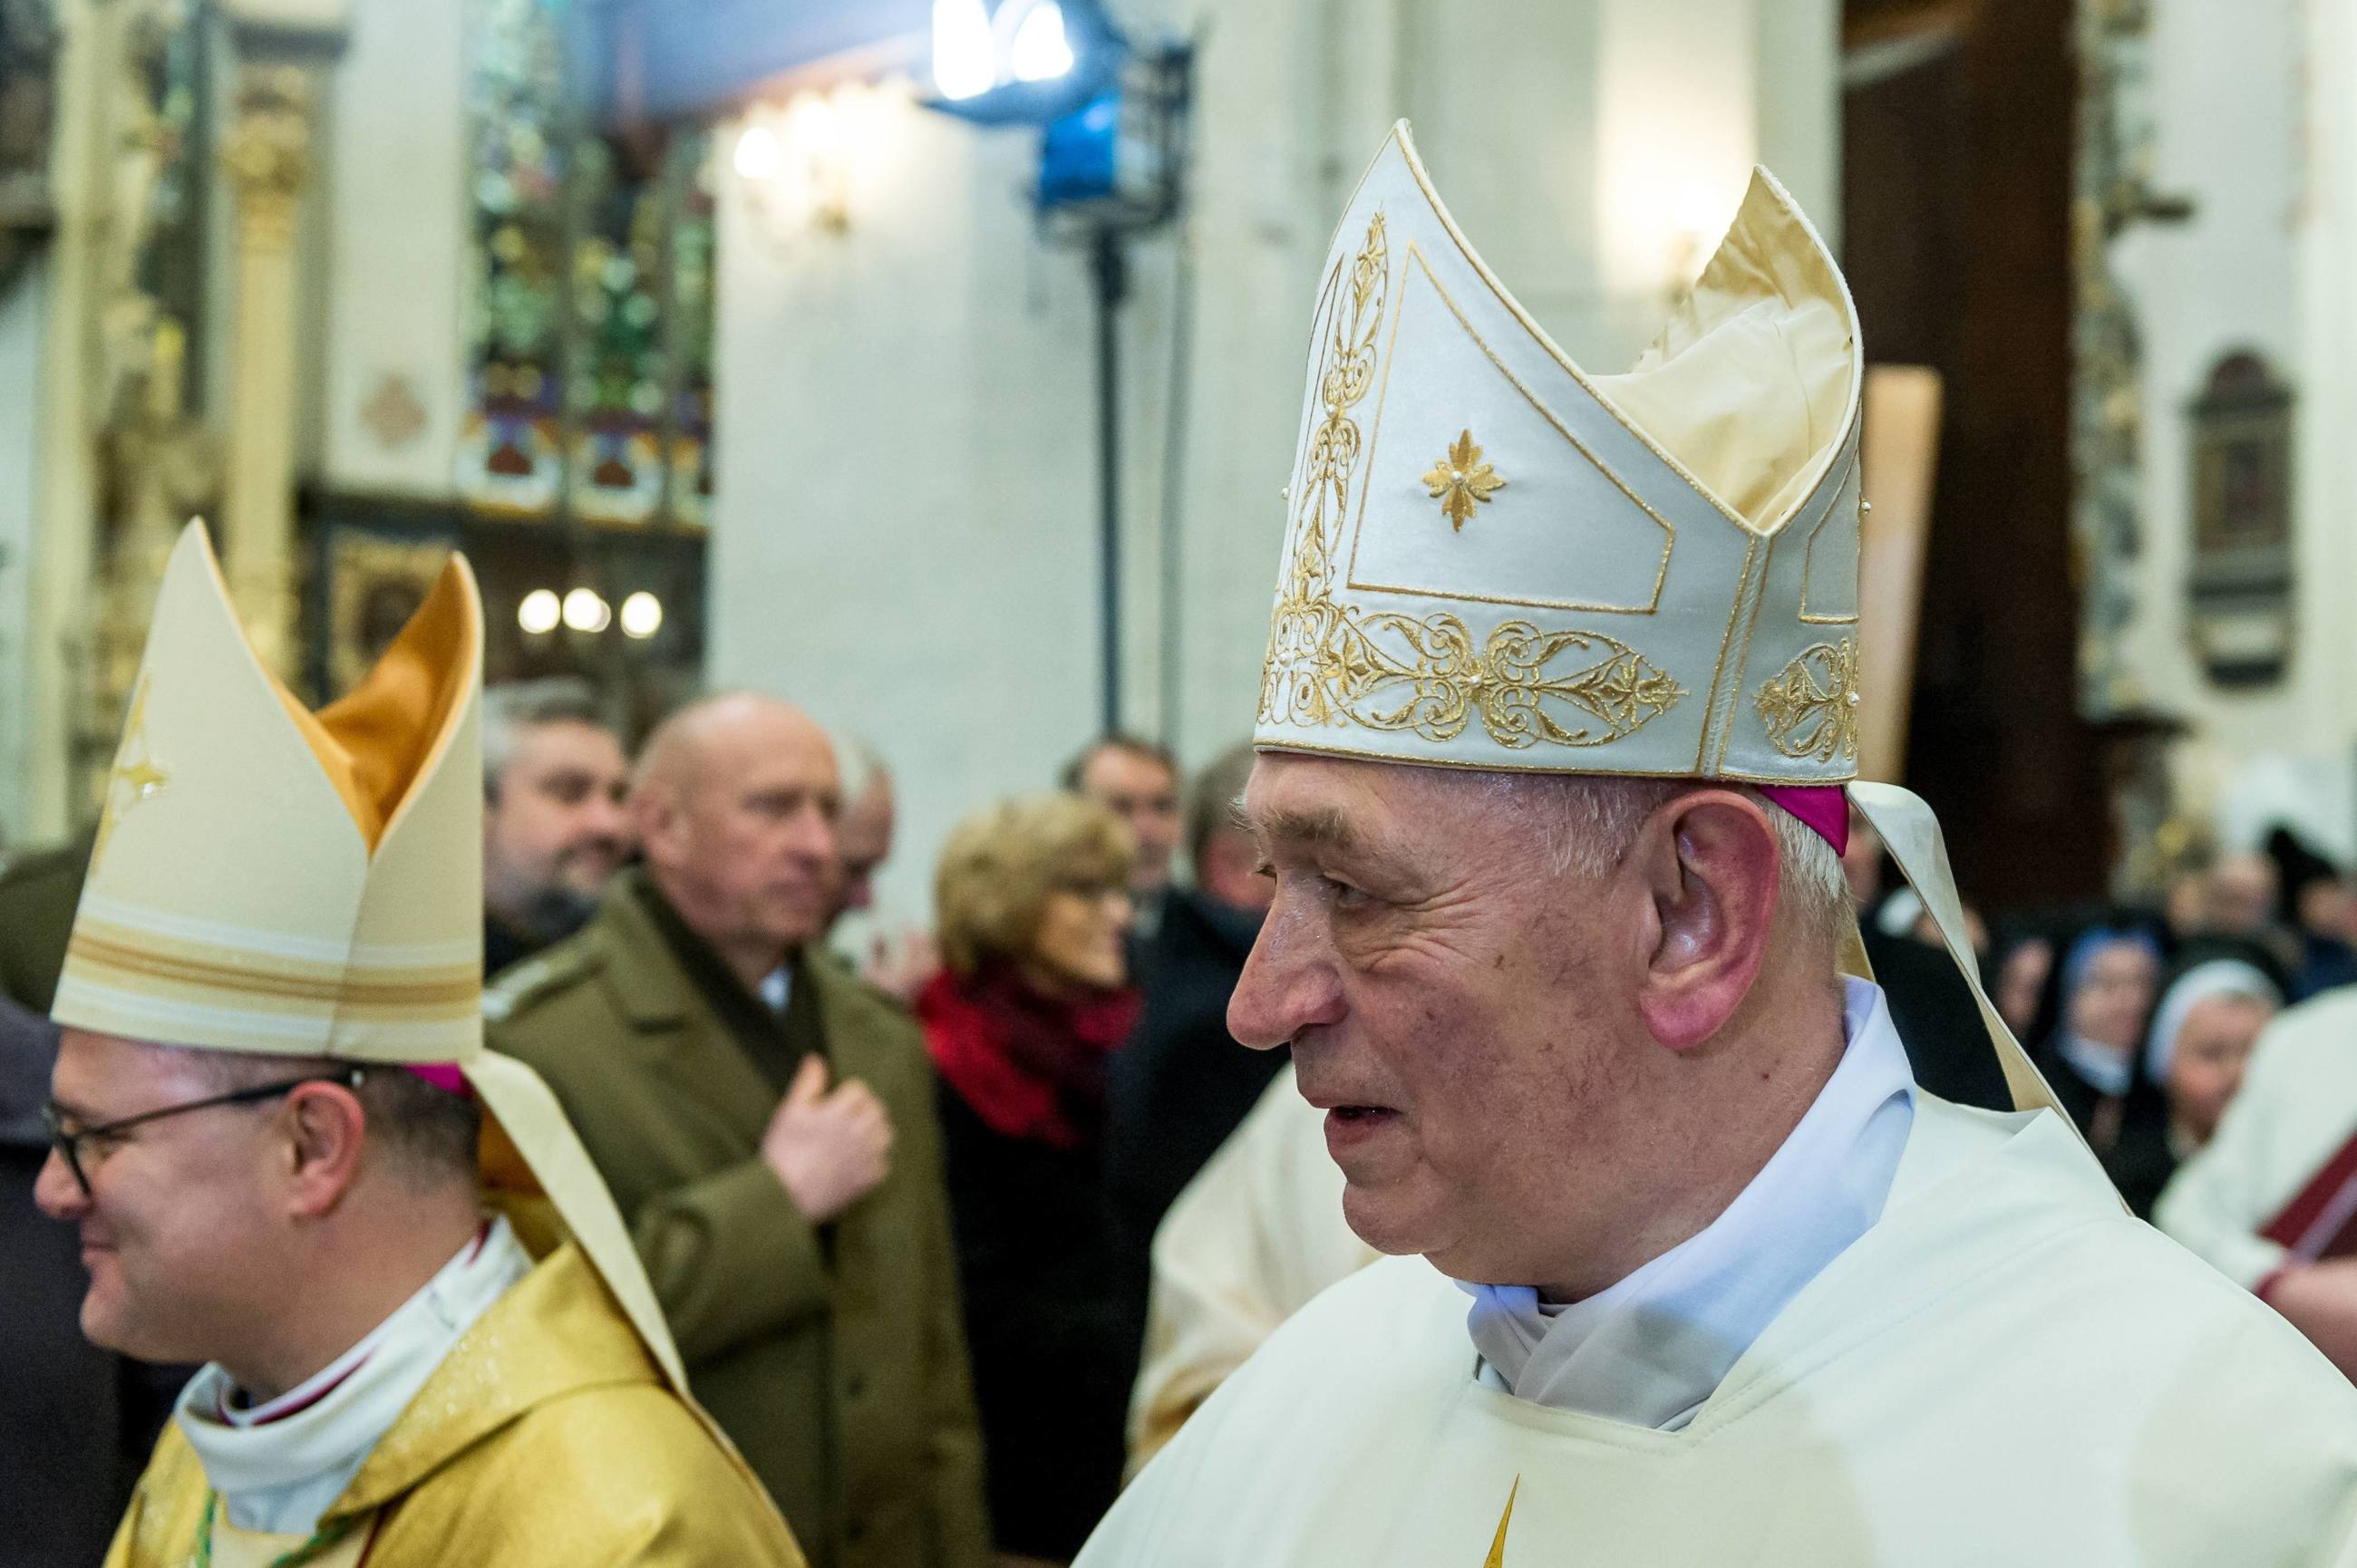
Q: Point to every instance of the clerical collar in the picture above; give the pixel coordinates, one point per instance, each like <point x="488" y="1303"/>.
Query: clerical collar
<point x="280" y="1465"/>
<point x="1650" y="1348"/>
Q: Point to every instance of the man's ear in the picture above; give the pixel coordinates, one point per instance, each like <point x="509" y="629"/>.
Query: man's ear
<point x="325" y="1129"/>
<point x="1709" y="861"/>
<point x="655" y="820"/>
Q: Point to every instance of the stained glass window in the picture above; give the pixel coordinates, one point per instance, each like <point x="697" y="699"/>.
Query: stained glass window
<point x="591" y="321"/>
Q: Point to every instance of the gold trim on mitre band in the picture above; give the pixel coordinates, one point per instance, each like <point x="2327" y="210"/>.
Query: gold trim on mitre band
<point x="280" y="882"/>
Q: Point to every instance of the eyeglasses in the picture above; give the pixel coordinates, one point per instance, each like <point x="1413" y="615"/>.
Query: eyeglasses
<point x="67" y="1140"/>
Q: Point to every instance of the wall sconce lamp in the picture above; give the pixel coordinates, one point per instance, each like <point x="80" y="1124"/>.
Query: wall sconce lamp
<point x="796" y="163"/>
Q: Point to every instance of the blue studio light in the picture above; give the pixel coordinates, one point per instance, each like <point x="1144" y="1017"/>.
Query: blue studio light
<point x="1080" y="153"/>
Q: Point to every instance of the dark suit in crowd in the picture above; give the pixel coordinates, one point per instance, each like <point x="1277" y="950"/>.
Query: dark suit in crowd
<point x="38" y="895"/>
<point x="76" y="1421"/>
<point x="1938" y="1021"/>
<point x="1182" y="1083"/>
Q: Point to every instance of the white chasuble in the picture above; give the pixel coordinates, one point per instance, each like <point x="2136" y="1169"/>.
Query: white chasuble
<point x="2005" y="1370"/>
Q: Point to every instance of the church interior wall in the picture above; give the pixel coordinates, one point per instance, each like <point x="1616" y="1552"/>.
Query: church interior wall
<point x="2261" y="265"/>
<point x="22" y="328"/>
<point x="396" y="250"/>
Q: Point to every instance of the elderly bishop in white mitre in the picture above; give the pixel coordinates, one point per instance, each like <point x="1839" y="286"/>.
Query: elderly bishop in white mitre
<point x="1557" y="717"/>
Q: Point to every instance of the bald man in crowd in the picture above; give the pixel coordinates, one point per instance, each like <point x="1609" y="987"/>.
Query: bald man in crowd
<point x="764" y="1121"/>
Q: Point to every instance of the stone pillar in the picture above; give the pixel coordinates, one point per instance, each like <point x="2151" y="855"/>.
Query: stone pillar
<point x="267" y="154"/>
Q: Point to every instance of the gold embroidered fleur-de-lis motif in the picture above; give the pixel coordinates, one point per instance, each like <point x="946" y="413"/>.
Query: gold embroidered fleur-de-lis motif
<point x="135" y="778"/>
<point x="1497" y="1558"/>
<point x="1332" y="663"/>
<point x="1461" y="480"/>
<point x="1811" y="706"/>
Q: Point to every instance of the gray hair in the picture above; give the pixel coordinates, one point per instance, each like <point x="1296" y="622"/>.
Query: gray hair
<point x="1212" y="805"/>
<point x="859" y="764"/>
<point x="514" y="707"/>
<point x="1589" y="822"/>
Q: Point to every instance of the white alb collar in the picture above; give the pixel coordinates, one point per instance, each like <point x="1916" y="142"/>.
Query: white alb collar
<point x="279" y="1465"/>
<point x="1650" y="1348"/>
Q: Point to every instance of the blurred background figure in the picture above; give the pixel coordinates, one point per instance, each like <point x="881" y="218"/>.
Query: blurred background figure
<point x="1033" y="905"/>
<point x="1183" y="1082"/>
<point x="2319" y="910"/>
<point x="38" y="895"/>
<point x="2107" y="982"/>
<point x="1137" y="780"/>
<point x="76" y="1421"/>
<point x="555" y="829"/>
<point x="863" y="834"/>
<point x="2184" y="896"/>
<point x="2241" y="897"/>
<point x="2271" y="1198"/>
<point x="2021" y="966"/>
<point x="2212" y="1005"/>
<point x="897" y="962"/>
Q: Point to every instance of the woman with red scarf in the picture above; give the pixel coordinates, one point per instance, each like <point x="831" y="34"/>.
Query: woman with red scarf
<point x="1033" y="906"/>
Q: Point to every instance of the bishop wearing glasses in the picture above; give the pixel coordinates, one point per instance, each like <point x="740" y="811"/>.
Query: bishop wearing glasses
<point x="426" y="1336"/>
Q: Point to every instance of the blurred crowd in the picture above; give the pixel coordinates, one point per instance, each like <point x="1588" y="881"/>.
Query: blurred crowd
<point x="2141" y="1016"/>
<point x="897" y="1189"/>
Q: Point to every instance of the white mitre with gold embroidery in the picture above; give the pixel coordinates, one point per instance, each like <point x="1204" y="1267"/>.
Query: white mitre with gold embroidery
<point x="271" y="880"/>
<point x="1495" y="560"/>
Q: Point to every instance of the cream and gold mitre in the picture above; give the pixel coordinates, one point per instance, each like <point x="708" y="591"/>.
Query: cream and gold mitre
<point x="267" y="879"/>
<point x="1496" y="559"/>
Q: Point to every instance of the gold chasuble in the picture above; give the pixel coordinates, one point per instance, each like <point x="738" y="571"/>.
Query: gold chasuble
<point x="548" y="1438"/>
<point x="1496" y="560"/>
<point x="269" y="880"/>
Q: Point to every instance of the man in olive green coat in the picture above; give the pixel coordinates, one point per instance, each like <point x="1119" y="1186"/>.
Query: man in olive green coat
<point x="766" y="1123"/>
<point x="38" y="892"/>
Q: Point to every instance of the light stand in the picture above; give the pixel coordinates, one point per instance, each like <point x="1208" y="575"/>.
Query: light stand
<point x="1113" y="160"/>
<point x="1109" y="270"/>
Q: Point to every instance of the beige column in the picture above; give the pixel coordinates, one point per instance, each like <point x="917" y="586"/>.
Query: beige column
<point x="267" y="154"/>
<point x="56" y="633"/>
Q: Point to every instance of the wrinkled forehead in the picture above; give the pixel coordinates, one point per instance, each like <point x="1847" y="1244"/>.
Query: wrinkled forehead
<point x="1299" y="802"/>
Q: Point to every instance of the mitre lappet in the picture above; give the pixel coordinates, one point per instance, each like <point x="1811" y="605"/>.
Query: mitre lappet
<point x="1495" y="560"/>
<point x="268" y="879"/>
